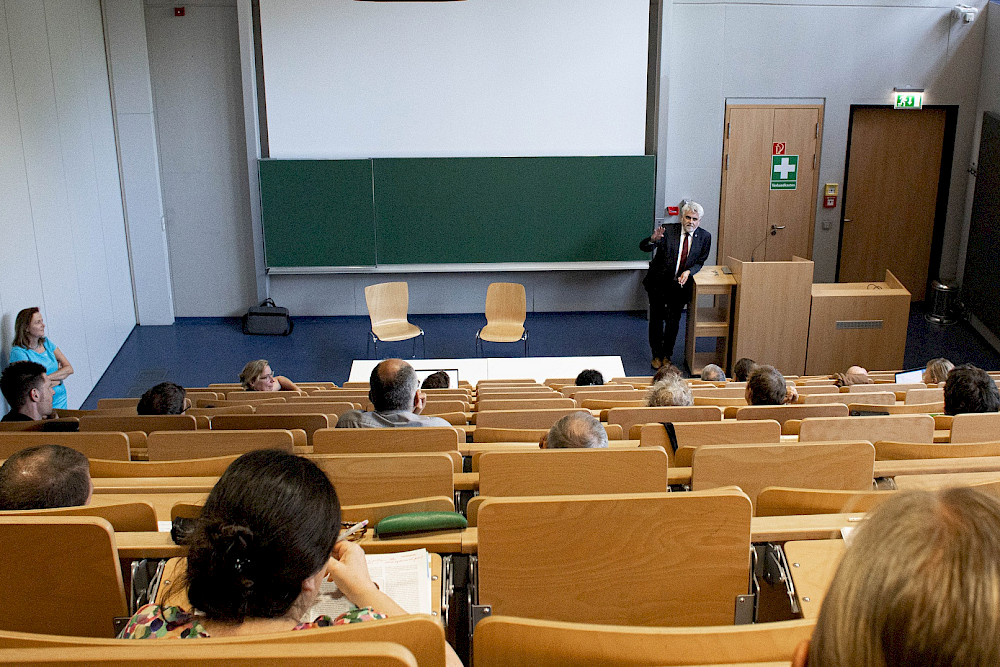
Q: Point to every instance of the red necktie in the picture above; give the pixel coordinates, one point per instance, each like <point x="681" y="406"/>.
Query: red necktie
<point x="684" y="253"/>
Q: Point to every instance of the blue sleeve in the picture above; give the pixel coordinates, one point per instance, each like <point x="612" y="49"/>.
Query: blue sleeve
<point x="50" y="347"/>
<point x="18" y="353"/>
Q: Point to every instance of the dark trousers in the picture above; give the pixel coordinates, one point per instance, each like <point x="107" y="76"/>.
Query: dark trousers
<point x="664" y="319"/>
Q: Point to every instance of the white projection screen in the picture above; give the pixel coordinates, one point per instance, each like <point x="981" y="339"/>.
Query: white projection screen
<point x="351" y="79"/>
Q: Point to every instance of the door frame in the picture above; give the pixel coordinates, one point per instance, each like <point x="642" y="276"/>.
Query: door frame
<point x="944" y="184"/>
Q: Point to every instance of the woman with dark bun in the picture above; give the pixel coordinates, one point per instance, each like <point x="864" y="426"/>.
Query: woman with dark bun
<point x="266" y="539"/>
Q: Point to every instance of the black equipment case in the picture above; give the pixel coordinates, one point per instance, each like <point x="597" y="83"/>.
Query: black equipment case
<point x="267" y="320"/>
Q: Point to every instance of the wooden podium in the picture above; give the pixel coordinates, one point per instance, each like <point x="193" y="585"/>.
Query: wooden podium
<point x="860" y="324"/>
<point x="771" y="317"/>
<point x="709" y="321"/>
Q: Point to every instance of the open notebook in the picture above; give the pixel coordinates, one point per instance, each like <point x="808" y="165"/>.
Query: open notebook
<point x="404" y="576"/>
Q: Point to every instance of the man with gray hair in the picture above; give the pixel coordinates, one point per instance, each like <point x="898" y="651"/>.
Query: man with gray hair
<point x="576" y="430"/>
<point x="679" y="251"/>
<point x="713" y="373"/>
<point x="673" y="390"/>
<point x="395" y="394"/>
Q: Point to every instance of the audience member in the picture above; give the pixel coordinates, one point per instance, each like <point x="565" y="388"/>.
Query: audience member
<point x="853" y="375"/>
<point x="672" y="390"/>
<point x="589" y="377"/>
<point x="438" y="380"/>
<point x="165" y="398"/>
<point x="265" y="541"/>
<point x="970" y="389"/>
<point x="937" y="371"/>
<point x="665" y="371"/>
<point x="576" y="430"/>
<point x="394" y="393"/>
<point x="45" y="477"/>
<point x="713" y="373"/>
<point x="918" y="585"/>
<point x="767" y="386"/>
<point x="27" y="390"/>
<point x="742" y="369"/>
<point x="258" y="376"/>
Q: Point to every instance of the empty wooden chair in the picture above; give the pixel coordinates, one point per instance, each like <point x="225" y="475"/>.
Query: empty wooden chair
<point x="885" y="386"/>
<point x="114" y="446"/>
<point x="245" y="409"/>
<point x="970" y="427"/>
<point x="489" y="434"/>
<point x="242" y="394"/>
<point x="905" y="428"/>
<point x="488" y="403"/>
<point x="543" y="418"/>
<point x="686" y="561"/>
<point x="144" y="423"/>
<point x="719" y="392"/>
<point x="505" y="641"/>
<point x="380" y="478"/>
<point x="784" y="413"/>
<point x="385" y="440"/>
<point x="221" y="403"/>
<point x="388" y="304"/>
<point x="785" y="501"/>
<point x="599" y="394"/>
<point x="506" y="310"/>
<point x="172" y="445"/>
<point x="839" y="465"/>
<point x="63" y="568"/>
<point x="199" y="467"/>
<point x="629" y="417"/>
<point x="570" y="391"/>
<point x="898" y="409"/>
<point x="604" y="406"/>
<point x="879" y="398"/>
<point x="61" y="425"/>
<point x="307" y="422"/>
<point x="902" y="451"/>
<point x="437" y="406"/>
<point x="124" y="517"/>
<point x="929" y="395"/>
<point x="691" y="435"/>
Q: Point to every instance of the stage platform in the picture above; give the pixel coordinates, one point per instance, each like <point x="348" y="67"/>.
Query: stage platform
<point x="490" y="368"/>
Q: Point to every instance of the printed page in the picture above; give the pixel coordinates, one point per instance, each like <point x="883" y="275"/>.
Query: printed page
<point x="405" y="577"/>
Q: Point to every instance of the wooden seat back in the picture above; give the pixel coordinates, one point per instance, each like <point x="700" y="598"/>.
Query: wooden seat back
<point x="222" y="403"/>
<point x="185" y="654"/>
<point x="691" y="577"/>
<point x="898" y="409"/>
<point x="721" y="401"/>
<point x="200" y="467"/>
<point x="524" y="403"/>
<point x="839" y="465"/>
<point x="516" y="395"/>
<point x="604" y="406"/>
<point x="385" y="440"/>
<point x="124" y="517"/>
<point x="906" y="428"/>
<point x="243" y="394"/>
<point x="321" y="407"/>
<point x="972" y="427"/>
<point x="441" y="406"/>
<point x="505" y="640"/>
<point x="782" y="413"/>
<point x="505" y="310"/>
<point x="244" y="409"/>
<point x="309" y="423"/>
<point x="691" y="435"/>
<point x="380" y="478"/>
<point x="114" y="446"/>
<point x="61" y="425"/>
<point x="885" y="386"/>
<point x="542" y="418"/>
<point x="629" y="417"/>
<point x="887" y="450"/>
<point x="144" y="423"/>
<point x="719" y="392"/>
<point x="63" y="568"/>
<point x="571" y="390"/>
<point x="605" y="394"/>
<point x="929" y="395"/>
<point x="785" y="501"/>
<point x="489" y="434"/>
<point x="874" y="397"/>
<point x="173" y="445"/>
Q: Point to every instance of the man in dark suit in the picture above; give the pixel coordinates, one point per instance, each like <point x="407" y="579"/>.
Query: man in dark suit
<point x="679" y="251"/>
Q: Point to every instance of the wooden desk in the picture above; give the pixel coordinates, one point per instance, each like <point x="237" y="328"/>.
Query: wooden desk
<point x="941" y="481"/>
<point x="161" y="502"/>
<point x="711" y="321"/>
<point x="152" y="485"/>
<point x="937" y="466"/>
<point x="813" y="564"/>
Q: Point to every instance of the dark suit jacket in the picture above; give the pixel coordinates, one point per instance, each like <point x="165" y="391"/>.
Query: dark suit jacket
<point x="660" y="278"/>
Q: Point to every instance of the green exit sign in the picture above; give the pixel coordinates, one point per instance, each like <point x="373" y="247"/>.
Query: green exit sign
<point x="909" y="100"/>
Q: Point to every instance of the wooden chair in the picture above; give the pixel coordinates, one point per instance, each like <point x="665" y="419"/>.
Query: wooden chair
<point x="386" y="440"/>
<point x="629" y="417"/>
<point x="243" y="394"/>
<point x="173" y="445"/>
<point x="720" y="401"/>
<point x="199" y="467"/>
<point x="816" y="389"/>
<point x="929" y="395"/>
<point x="184" y="654"/>
<point x="489" y="382"/>
<point x="886" y="450"/>
<point x="875" y="398"/>
<point x="691" y="435"/>
<point x="517" y="396"/>
<point x="898" y="409"/>
<point x="720" y="392"/>
<point x="570" y="391"/>
<point x="839" y="465"/>
<point x="506" y="310"/>
<point x="542" y="418"/>
<point x="506" y="641"/>
<point x="61" y="425"/>
<point x="604" y="406"/>
<point x="438" y="406"/>
<point x="785" y="501"/>
<point x="524" y="403"/>
<point x="309" y="423"/>
<point x="971" y="427"/>
<point x="489" y="434"/>
<point x="124" y="517"/>
<point x="63" y="568"/>
<point x="144" y="423"/>
<point x="381" y="478"/>
<point x="611" y="395"/>
<point x="113" y="446"/>
<point x="906" y="428"/>
<point x="221" y="403"/>
<point x="552" y="557"/>
<point x="784" y="413"/>
<point x="245" y="409"/>
<point x="422" y="635"/>
<point x="388" y="304"/>
<point x="885" y="386"/>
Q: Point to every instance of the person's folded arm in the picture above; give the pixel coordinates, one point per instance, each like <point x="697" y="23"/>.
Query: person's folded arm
<point x="286" y="384"/>
<point x="65" y="368"/>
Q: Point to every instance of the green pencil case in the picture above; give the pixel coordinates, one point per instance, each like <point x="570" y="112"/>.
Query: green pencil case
<point x="419" y="522"/>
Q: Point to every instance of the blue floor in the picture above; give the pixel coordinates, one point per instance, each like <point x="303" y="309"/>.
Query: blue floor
<point x="197" y="351"/>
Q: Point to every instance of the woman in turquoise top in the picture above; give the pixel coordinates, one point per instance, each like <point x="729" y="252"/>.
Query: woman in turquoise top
<point x="30" y="344"/>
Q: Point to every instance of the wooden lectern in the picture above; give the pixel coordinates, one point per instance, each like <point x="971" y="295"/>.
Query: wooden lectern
<point x="771" y="318"/>
<point x="861" y="324"/>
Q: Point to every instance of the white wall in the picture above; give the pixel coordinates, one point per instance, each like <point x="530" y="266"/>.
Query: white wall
<point x="844" y="54"/>
<point x="64" y="246"/>
<point x="194" y="66"/>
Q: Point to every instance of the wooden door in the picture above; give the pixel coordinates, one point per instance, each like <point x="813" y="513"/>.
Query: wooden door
<point x="749" y="207"/>
<point x="891" y="195"/>
<point x="795" y="210"/>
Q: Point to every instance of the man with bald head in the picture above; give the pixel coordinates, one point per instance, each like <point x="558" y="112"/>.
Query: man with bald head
<point x="45" y="477"/>
<point x="575" y="430"/>
<point x="394" y="391"/>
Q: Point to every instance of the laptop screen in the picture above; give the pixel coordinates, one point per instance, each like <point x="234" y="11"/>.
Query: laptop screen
<point x="916" y="375"/>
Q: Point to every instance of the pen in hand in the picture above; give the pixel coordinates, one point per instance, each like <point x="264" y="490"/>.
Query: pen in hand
<point x="353" y="529"/>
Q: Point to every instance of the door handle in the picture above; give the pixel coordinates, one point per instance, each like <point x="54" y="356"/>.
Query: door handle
<point x="848" y="220"/>
<point x="775" y="228"/>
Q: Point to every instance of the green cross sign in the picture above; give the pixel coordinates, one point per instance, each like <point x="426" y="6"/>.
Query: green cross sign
<point x="784" y="172"/>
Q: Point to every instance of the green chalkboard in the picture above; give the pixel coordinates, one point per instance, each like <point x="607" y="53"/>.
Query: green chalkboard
<point x="389" y="211"/>
<point x="317" y="212"/>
